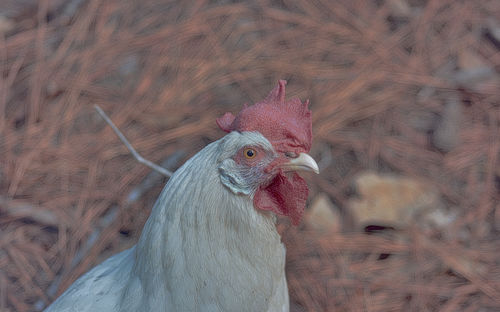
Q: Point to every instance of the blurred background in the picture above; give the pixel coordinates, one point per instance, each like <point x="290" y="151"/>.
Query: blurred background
<point x="405" y="94"/>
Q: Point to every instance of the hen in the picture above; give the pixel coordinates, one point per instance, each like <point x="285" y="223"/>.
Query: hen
<point x="211" y="243"/>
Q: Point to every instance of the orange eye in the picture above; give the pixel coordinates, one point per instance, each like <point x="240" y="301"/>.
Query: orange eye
<point x="249" y="153"/>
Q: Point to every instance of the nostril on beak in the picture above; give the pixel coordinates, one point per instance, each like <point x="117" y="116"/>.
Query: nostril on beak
<point x="291" y="155"/>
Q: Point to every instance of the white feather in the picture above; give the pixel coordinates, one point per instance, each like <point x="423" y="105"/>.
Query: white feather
<point x="204" y="248"/>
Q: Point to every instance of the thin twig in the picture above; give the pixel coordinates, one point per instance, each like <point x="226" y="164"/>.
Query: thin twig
<point x="110" y="217"/>
<point x="139" y="158"/>
<point x="154" y="177"/>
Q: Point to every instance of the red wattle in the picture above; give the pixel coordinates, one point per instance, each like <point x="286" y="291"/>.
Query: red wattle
<point x="284" y="196"/>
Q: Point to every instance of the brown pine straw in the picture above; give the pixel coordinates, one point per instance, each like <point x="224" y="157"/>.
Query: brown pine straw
<point x="378" y="74"/>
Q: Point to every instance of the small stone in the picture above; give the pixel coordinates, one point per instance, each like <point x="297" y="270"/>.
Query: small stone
<point x="468" y="59"/>
<point x="472" y="70"/>
<point x="323" y="216"/>
<point x="399" y="7"/>
<point x="439" y="218"/>
<point x="6" y="24"/>
<point x="52" y="88"/>
<point x="129" y="65"/>
<point x="446" y="136"/>
<point x="421" y="120"/>
<point x="388" y="200"/>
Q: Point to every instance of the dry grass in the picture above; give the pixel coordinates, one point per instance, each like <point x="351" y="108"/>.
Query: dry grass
<point x="379" y="75"/>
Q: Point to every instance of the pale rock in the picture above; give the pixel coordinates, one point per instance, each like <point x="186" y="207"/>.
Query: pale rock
<point x="399" y="7"/>
<point x="128" y="65"/>
<point x="446" y="136"/>
<point x="468" y="59"/>
<point x="6" y="24"/>
<point x="440" y="218"/>
<point x="420" y="119"/>
<point x="389" y="200"/>
<point x="473" y="70"/>
<point x="323" y="216"/>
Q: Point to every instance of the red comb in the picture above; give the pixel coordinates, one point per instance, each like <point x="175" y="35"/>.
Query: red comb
<point x="286" y="124"/>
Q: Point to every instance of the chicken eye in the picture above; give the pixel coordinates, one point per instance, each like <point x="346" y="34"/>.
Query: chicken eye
<point x="249" y="153"/>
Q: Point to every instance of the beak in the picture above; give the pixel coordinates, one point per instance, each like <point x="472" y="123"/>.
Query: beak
<point x="304" y="162"/>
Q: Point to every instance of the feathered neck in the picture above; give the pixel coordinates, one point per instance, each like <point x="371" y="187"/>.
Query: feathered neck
<point x="195" y="205"/>
<point x="203" y="244"/>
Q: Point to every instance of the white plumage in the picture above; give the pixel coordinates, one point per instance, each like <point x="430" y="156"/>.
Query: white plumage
<point x="203" y="248"/>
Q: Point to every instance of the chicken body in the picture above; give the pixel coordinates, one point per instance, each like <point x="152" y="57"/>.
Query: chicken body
<point x="204" y="247"/>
